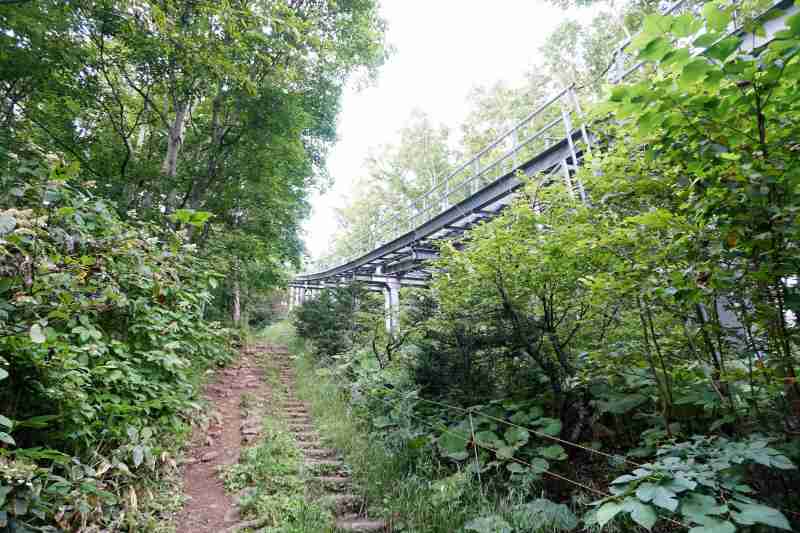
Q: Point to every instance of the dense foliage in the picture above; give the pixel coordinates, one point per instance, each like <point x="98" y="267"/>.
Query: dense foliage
<point x="224" y="107"/>
<point x="103" y="340"/>
<point x="155" y="163"/>
<point x="637" y="352"/>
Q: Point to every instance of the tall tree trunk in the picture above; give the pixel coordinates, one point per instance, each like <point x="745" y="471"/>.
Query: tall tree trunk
<point x="175" y="139"/>
<point x="237" y="305"/>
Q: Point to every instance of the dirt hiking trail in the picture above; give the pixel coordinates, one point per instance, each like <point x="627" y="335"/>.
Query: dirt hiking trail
<point x="218" y="444"/>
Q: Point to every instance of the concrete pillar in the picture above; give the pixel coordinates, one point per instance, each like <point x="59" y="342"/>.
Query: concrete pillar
<point x="391" y="294"/>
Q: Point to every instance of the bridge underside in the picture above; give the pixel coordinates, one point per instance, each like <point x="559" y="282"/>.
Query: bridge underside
<point x="405" y="257"/>
<point x="404" y="261"/>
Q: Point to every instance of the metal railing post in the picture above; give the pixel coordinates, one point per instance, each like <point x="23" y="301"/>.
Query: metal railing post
<point x="567" y="177"/>
<point x="579" y="112"/>
<point x="514" y="148"/>
<point x="573" y="153"/>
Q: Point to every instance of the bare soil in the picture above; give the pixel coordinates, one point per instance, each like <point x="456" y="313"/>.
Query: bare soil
<point x="216" y="445"/>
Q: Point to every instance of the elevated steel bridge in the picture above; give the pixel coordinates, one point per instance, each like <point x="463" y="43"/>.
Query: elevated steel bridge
<point x="549" y="143"/>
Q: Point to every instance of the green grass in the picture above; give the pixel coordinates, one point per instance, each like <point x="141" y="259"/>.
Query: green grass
<point x="269" y="479"/>
<point x="410" y="488"/>
<point x="278" y="333"/>
<point x="407" y="488"/>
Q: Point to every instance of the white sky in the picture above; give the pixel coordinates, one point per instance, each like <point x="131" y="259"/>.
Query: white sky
<point x="442" y="49"/>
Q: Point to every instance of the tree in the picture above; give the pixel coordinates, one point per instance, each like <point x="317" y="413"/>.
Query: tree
<point x="181" y="105"/>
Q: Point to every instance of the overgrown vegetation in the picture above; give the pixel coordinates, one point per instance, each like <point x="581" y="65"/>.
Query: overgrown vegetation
<point x="103" y="341"/>
<point x="632" y="358"/>
<point x="270" y="480"/>
<point x="155" y="163"/>
<point x="270" y="486"/>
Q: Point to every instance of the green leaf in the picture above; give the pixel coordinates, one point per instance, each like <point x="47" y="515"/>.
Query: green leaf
<point x="793" y="23"/>
<point x="717" y="17"/>
<point x="488" y="524"/>
<point x="547" y="515"/>
<point x="656" y="25"/>
<point x="694" y="71"/>
<point x="516" y="468"/>
<point x="641" y="513"/>
<point x="488" y="439"/>
<point x="782" y="462"/>
<point x="7" y="223"/>
<point x="3" y="374"/>
<point x="520" y="417"/>
<point x="516" y="436"/>
<point x="619" y="93"/>
<point x="539" y="465"/>
<point x="656" y="49"/>
<point x="713" y="525"/>
<point x="751" y="513"/>
<point x="552" y="452"/>
<point x="505" y="452"/>
<point x="723" y="49"/>
<point x="660" y="496"/>
<point x="36" y="422"/>
<point x="696" y="507"/>
<point x="685" y="25"/>
<point x="552" y="426"/>
<point x="453" y="445"/>
<point x="36" y="334"/>
<point x="8" y="439"/>
<point x="607" y="512"/>
<point x="706" y="39"/>
<point x="6" y="422"/>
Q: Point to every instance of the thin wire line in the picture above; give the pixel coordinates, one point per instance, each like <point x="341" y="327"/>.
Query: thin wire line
<point x="599" y="492"/>
<point x="573" y="444"/>
<point x="537" y="433"/>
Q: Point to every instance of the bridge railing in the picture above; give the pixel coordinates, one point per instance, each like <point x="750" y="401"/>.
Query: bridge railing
<point x="550" y="123"/>
<point x="554" y="121"/>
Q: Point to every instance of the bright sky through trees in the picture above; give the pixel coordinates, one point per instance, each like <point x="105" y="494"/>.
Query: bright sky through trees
<point x="442" y="49"/>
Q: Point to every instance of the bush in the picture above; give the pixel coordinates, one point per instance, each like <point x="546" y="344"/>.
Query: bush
<point x="102" y="343"/>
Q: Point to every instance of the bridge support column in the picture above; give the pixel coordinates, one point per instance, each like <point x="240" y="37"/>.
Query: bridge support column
<point x="290" y="298"/>
<point x="391" y="294"/>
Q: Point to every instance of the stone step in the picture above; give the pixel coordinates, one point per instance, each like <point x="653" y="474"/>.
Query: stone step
<point x="301" y="427"/>
<point x="343" y="503"/>
<point x="331" y="464"/>
<point x="353" y="522"/>
<point x="319" y="453"/>
<point x="334" y="483"/>
<point x="307" y="436"/>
